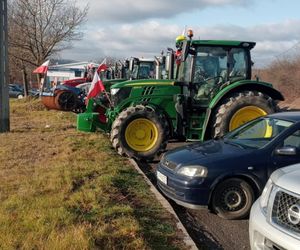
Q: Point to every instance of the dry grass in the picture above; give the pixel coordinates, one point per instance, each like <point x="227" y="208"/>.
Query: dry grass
<point x="61" y="189"/>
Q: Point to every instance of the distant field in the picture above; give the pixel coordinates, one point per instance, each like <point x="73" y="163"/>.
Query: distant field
<point x="62" y="189"/>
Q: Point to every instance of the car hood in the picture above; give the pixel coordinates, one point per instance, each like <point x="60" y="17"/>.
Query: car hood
<point x="207" y="152"/>
<point x="288" y="178"/>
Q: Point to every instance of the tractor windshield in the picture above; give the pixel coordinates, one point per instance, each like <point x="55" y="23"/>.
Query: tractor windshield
<point x="143" y="70"/>
<point x="211" y="66"/>
<point x="220" y="62"/>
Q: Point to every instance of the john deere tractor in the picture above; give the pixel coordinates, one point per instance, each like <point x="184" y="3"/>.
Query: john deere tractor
<point x="212" y="94"/>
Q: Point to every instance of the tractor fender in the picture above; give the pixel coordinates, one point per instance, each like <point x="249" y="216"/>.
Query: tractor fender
<point x="263" y="87"/>
<point x="239" y="86"/>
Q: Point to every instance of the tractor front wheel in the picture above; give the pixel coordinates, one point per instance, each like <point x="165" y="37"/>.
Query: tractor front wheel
<point x="139" y="132"/>
<point x="239" y="109"/>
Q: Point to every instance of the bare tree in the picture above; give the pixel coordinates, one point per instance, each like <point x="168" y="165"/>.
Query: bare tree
<point x="39" y="29"/>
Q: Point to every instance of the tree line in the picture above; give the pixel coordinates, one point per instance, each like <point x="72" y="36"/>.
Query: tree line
<point x="38" y="30"/>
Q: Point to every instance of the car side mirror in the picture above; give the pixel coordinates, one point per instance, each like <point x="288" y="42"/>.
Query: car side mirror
<point x="286" y="151"/>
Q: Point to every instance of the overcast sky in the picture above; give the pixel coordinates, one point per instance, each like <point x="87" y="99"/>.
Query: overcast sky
<point x="143" y="28"/>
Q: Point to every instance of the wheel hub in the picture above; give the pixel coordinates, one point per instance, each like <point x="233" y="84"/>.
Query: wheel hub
<point x="233" y="199"/>
<point x="141" y="134"/>
<point x="244" y="115"/>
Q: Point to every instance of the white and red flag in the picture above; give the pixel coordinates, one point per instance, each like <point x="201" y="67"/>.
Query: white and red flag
<point x="102" y="66"/>
<point x="42" y="69"/>
<point x="96" y="86"/>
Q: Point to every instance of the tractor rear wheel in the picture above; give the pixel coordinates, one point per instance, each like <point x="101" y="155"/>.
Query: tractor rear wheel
<point x="239" y="109"/>
<point x="139" y="132"/>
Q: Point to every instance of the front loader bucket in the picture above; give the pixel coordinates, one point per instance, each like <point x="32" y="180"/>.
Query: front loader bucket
<point x="87" y="122"/>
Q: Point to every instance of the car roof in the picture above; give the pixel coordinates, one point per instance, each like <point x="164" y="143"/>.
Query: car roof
<point x="290" y="116"/>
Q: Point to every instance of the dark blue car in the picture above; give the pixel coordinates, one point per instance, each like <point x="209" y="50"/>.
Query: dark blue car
<point x="228" y="174"/>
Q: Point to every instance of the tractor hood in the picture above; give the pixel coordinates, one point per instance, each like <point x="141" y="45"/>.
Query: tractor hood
<point x="143" y="82"/>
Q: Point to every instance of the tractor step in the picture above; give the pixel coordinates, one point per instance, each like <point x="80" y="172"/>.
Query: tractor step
<point x="195" y="127"/>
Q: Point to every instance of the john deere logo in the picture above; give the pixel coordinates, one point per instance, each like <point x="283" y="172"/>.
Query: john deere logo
<point x="294" y="214"/>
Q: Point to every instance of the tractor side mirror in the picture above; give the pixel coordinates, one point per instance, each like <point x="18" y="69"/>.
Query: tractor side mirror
<point x="286" y="151"/>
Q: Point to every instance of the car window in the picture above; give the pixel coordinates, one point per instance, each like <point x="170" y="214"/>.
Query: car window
<point x="258" y="133"/>
<point x="293" y="140"/>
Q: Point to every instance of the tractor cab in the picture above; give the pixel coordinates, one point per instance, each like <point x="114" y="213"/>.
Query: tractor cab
<point x="141" y="68"/>
<point x="209" y="66"/>
<point x="157" y="68"/>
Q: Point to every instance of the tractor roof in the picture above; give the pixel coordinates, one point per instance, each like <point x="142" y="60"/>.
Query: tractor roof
<point x="229" y="43"/>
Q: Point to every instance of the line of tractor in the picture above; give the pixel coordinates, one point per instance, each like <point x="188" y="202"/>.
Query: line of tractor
<point x="202" y="90"/>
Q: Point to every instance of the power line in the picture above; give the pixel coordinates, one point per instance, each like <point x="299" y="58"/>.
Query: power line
<point x="288" y="50"/>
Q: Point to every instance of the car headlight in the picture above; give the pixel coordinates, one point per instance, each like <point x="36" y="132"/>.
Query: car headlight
<point x="114" y="91"/>
<point x="264" y="198"/>
<point x="193" y="171"/>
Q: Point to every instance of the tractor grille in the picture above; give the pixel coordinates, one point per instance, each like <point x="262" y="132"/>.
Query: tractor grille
<point x="286" y="212"/>
<point x="148" y="90"/>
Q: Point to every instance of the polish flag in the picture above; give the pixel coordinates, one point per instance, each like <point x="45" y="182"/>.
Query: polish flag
<point x="102" y="66"/>
<point x="42" y="69"/>
<point x="96" y="87"/>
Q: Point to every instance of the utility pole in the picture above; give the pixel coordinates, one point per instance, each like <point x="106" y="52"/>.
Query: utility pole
<point x="4" y="97"/>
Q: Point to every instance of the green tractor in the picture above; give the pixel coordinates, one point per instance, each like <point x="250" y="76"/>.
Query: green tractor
<point x="212" y="94"/>
<point x="133" y="69"/>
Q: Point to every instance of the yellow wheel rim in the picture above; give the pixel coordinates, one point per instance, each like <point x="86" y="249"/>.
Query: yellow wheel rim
<point x="141" y="134"/>
<point x="244" y="115"/>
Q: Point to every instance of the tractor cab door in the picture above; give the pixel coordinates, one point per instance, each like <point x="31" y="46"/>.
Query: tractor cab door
<point x="207" y="70"/>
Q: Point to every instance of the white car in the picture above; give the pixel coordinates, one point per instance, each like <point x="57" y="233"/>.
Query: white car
<point x="275" y="216"/>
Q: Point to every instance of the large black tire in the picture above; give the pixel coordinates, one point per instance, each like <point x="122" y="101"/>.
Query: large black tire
<point x="128" y="117"/>
<point x="232" y="199"/>
<point x="67" y="100"/>
<point x="226" y="111"/>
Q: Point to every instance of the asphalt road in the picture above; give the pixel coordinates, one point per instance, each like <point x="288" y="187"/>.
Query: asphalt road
<point x="207" y="229"/>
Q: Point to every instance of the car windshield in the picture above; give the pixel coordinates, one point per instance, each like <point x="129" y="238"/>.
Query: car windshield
<point x="257" y="133"/>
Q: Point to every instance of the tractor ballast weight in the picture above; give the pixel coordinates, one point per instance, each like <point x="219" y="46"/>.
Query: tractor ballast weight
<point x="212" y="94"/>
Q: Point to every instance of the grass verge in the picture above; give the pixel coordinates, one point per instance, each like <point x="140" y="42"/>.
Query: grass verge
<point x="62" y="189"/>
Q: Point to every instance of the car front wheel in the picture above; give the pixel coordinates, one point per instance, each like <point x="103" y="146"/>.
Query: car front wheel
<point x="232" y="199"/>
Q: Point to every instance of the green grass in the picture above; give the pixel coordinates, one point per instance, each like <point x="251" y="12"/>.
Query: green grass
<point x="62" y="189"/>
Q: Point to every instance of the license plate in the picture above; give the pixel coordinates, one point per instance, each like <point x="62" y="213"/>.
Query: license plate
<point x="162" y="177"/>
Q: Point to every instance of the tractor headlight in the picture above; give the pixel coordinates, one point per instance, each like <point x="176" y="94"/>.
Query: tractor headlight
<point x="193" y="171"/>
<point x="264" y="198"/>
<point x="114" y="91"/>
